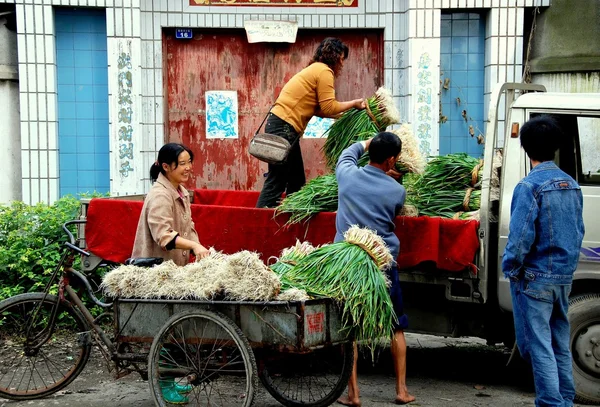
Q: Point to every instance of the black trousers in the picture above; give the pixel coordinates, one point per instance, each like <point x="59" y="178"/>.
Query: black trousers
<point x="289" y="176"/>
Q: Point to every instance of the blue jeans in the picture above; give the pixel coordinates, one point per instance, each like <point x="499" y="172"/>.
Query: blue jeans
<point x="542" y="332"/>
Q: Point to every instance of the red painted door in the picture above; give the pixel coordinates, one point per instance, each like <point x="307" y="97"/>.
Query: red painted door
<point x="224" y="60"/>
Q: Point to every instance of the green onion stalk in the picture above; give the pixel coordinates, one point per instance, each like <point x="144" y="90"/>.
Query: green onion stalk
<point x="357" y="125"/>
<point x="319" y="195"/>
<point x="350" y="272"/>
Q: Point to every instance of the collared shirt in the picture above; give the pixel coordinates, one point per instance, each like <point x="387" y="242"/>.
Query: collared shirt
<point x="367" y="197"/>
<point x="166" y="213"/>
<point x="546" y="227"/>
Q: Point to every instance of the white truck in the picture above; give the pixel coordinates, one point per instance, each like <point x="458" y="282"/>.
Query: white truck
<point x="480" y="304"/>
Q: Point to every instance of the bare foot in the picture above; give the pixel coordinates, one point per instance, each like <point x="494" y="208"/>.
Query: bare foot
<point x="346" y="401"/>
<point x="404" y="398"/>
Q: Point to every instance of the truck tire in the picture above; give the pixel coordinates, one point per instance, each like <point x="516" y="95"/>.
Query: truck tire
<point x="584" y="317"/>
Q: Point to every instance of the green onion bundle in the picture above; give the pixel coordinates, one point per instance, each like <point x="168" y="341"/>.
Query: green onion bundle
<point x="319" y="195"/>
<point x="451" y="172"/>
<point x="288" y="259"/>
<point x="448" y="203"/>
<point x="357" y="125"/>
<point x="350" y="272"/>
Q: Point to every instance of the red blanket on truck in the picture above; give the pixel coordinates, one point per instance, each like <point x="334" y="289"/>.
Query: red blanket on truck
<point x="228" y="221"/>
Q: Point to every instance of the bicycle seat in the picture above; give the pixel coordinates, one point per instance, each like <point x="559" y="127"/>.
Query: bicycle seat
<point x="144" y="261"/>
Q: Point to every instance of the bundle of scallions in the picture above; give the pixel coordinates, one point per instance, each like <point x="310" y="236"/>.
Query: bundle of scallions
<point x="451" y="172"/>
<point x="288" y="259"/>
<point x="351" y="273"/>
<point x="357" y="125"/>
<point x="319" y="195"/>
<point x="448" y="203"/>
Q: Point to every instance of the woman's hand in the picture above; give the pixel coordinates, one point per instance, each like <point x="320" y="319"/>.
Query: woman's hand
<point x="359" y="104"/>
<point x="200" y="251"/>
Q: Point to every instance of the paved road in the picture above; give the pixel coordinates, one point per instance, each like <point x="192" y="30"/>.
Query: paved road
<point x="442" y="372"/>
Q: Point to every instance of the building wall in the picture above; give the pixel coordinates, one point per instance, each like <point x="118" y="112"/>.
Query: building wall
<point x="135" y="61"/>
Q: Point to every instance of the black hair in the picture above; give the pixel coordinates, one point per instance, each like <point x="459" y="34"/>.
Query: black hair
<point x="383" y="146"/>
<point x="168" y="154"/>
<point x="540" y="137"/>
<point x="329" y="52"/>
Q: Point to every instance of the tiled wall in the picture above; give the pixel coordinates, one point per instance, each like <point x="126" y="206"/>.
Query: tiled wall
<point x="412" y="29"/>
<point x="82" y="79"/>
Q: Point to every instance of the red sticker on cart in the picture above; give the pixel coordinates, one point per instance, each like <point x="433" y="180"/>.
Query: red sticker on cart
<point x="315" y="323"/>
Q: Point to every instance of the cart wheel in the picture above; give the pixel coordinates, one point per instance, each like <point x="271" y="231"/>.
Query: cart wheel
<point x="35" y="361"/>
<point x="314" y="379"/>
<point x="202" y="358"/>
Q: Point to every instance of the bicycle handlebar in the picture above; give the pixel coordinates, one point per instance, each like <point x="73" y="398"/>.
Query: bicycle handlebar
<point x="71" y="243"/>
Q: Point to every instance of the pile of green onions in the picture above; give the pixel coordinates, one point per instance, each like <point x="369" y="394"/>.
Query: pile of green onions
<point x="319" y="195"/>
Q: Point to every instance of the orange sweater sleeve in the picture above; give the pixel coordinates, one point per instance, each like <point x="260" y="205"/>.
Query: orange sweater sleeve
<point x="328" y="105"/>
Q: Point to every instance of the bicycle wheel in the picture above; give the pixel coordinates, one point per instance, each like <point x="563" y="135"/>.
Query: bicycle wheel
<point x="30" y="372"/>
<point x="202" y="358"/>
<point x="315" y="379"/>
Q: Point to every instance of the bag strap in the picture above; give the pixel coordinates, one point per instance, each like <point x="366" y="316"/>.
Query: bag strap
<point x="264" y="120"/>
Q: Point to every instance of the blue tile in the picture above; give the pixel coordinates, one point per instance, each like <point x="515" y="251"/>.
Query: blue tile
<point x="475" y="29"/>
<point x="458" y="128"/>
<point x="460" y="45"/>
<point x="476" y="78"/>
<point x="445" y="130"/>
<point x="67" y="144"/>
<point x="475" y="61"/>
<point x="67" y="127"/>
<point x="85" y="145"/>
<point x="101" y="130"/>
<point x="84" y="93"/>
<point x="446" y="62"/>
<point x="455" y="111"/>
<point x="82" y="25"/>
<point x="102" y="181"/>
<point x="98" y="23"/>
<point x="85" y="162"/>
<point x="68" y="162"/>
<point x="83" y="76"/>
<point x="100" y="76"/>
<point x="83" y="42"/>
<point x="446" y="108"/>
<point x="68" y="179"/>
<point x="475" y="95"/>
<point x="446" y="28"/>
<point x="64" y="58"/>
<point x="85" y="180"/>
<point x="63" y="24"/>
<point x="83" y="59"/>
<point x="85" y="128"/>
<point x="64" y="41"/>
<point x="459" y="62"/>
<point x="100" y="93"/>
<point x="85" y="110"/>
<point x="102" y="162"/>
<point x="459" y="79"/>
<point x="66" y="110"/>
<point x="445" y="146"/>
<point x="65" y="76"/>
<point x="458" y="144"/>
<point x="99" y="42"/>
<point x="476" y="45"/>
<point x="460" y="16"/>
<point x="66" y="93"/>
<point x="445" y="45"/>
<point x="476" y="111"/>
<point x="460" y="28"/>
<point x="99" y="58"/>
<point x="100" y="110"/>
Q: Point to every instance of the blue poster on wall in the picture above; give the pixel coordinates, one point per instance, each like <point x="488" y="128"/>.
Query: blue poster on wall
<point x="221" y="114"/>
<point x="317" y="126"/>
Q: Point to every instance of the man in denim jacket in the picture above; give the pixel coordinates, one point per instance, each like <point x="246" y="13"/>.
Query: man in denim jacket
<point x="546" y="232"/>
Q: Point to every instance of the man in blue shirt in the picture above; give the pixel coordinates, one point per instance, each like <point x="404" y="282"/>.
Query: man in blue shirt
<point x="370" y="197"/>
<point x="545" y="235"/>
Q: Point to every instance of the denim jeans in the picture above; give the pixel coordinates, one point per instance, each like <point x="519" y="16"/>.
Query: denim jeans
<point x="289" y="176"/>
<point x="542" y="333"/>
